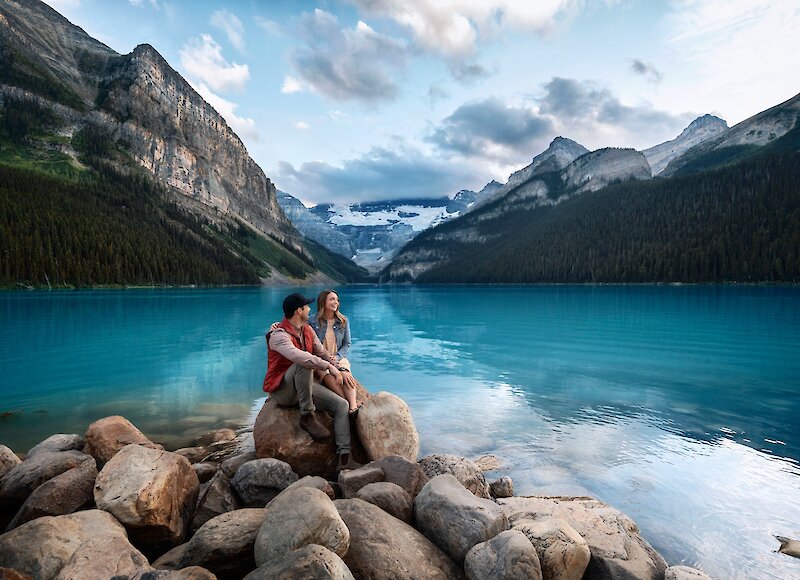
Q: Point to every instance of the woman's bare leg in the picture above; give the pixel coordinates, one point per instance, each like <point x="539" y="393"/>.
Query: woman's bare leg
<point x="345" y="392"/>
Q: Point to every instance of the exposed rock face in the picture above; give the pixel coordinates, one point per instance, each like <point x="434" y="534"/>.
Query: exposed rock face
<point x="383" y="548"/>
<point x="507" y="556"/>
<point x="296" y="518"/>
<point x="106" y="436"/>
<point x="42" y="547"/>
<point x="617" y="549"/>
<point x="104" y="557"/>
<point x="385" y="427"/>
<point x="390" y="497"/>
<point x="699" y="131"/>
<point x="260" y="480"/>
<point x="151" y="492"/>
<point x="599" y="168"/>
<point x="216" y="497"/>
<point x="314" y="227"/>
<point x="454" y="519"/>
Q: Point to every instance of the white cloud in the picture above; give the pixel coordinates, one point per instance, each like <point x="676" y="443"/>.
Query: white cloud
<point x="202" y="59"/>
<point x="452" y="27"/>
<point x="269" y="26"/>
<point x="302" y="126"/>
<point x="243" y="127"/>
<point x="231" y="26"/>
<point x="746" y="52"/>
<point x="347" y="63"/>
<point x="291" y="85"/>
<point x="139" y="3"/>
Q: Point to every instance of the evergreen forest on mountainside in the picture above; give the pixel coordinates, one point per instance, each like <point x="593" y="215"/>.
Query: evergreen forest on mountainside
<point x="737" y="223"/>
<point x="102" y="221"/>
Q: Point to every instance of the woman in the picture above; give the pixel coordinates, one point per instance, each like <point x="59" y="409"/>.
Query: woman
<point x="333" y="331"/>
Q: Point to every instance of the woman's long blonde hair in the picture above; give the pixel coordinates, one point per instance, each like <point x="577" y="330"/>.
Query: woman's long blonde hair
<point x="323" y="296"/>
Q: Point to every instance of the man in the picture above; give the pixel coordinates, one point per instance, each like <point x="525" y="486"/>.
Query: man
<point x="293" y="353"/>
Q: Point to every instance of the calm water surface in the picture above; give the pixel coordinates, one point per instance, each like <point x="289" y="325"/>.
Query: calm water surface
<point x="678" y="405"/>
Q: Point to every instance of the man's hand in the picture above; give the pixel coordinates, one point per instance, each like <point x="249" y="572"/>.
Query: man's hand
<point x="337" y="375"/>
<point x="349" y="380"/>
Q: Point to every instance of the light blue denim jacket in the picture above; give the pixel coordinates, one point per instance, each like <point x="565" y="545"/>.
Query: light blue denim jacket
<point x="340" y="331"/>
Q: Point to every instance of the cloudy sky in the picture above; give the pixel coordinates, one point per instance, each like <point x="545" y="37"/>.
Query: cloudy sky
<point x="355" y="100"/>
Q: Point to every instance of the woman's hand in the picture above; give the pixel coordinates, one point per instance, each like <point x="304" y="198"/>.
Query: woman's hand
<point x="274" y="326"/>
<point x="349" y="380"/>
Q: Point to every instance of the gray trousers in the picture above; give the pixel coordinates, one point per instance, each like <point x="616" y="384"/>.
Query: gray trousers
<point x="298" y="388"/>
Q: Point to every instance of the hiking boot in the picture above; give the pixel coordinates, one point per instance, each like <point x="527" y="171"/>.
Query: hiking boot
<point x="346" y="461"/>
<point x="313" y="427"/>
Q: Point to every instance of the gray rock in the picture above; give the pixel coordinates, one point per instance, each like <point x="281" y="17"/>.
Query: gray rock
<point x="215" y="498"/>
<point x="108" y="435"/>
<point x="104" y="557"/>
<point x="507" y="556"/>
<point x="390" y="497"/>
<point x="215" y="437"/>
<point x="8" y="460"/>
<point x="205" y="470"/>
<point x="224" y="544"/>
<point x="192" y="454"/>
<point x="20" y="481"/>
<point x="563" y="553"/>
<point x="385" y="427"/>
<point x="152" y="492"/>
<point x="260" y="480"/>
<point x="351" y="480"/>
<point x="383" y="547"/>
<point x="171" y="559"/>
<point x="311" y="561"/>
<point x="317" y="483"/>
<point x="618" y="551"/>
<point x="454" y="519"/>
<point x="65" y="493"/>
<point x="464" y="470"/>
<point x="502" y="487"/>
<point x="230" y="465"/>
<point x="42" y="547"/>
<point x="58" y="442"/>
<point x="407" y="474"/>
<point x="684" y="573"/>
<point x="190" y="573"/>
<point x="296" y="518"/>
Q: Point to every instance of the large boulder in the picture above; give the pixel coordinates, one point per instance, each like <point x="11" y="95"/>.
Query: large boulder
<point x="152" y="492"/>
<point x="20" y="481"/>
<point x="58" y="442"/>
<point x="316" y="482"/>
<point x="65" y="493"/>
<point x="311" y="561"/>
<point x="277" y="433"/>
<point x="216" y="497"/>
<point x="617" y="548"/>
<point x="42" y="547"/>
<point x="399" y="470"/>
<point x="383" y="548"/>
<point x="507" y="556"/>
<point x="385" y="427"/>
<point x="563" y="553"/>
<point x="351" y="480"/>
<point x="296" y="518"/>
<point x="454" y="519"/>
<point x="105" y="437"/>
<point x="390" y="497"/>
<point x="464" y="470"/>
<point x="502" y="487"/>
<point x="260" y="480"/>
<point x="224" y="544"/>
<point x="104" y="557"/>
<point x="684" y="573"/>
<point x="8" y="460"/>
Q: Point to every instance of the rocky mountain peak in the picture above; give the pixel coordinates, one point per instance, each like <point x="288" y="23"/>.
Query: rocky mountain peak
<point x="701" y="130"/>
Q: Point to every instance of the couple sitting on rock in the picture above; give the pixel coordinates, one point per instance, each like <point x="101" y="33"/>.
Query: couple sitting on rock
<point x="307" y="367"/>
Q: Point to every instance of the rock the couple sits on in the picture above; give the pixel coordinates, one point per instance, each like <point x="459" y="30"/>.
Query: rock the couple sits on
<point x="294" y="353"/>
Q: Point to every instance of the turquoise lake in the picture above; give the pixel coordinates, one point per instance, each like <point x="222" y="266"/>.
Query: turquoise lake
<point x="679" y="405"/>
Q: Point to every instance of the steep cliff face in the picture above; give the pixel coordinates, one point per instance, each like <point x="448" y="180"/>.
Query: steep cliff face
<point x="599" y="168"/>
<point x="171" y="131"/>
<point x="699" y="131"/>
